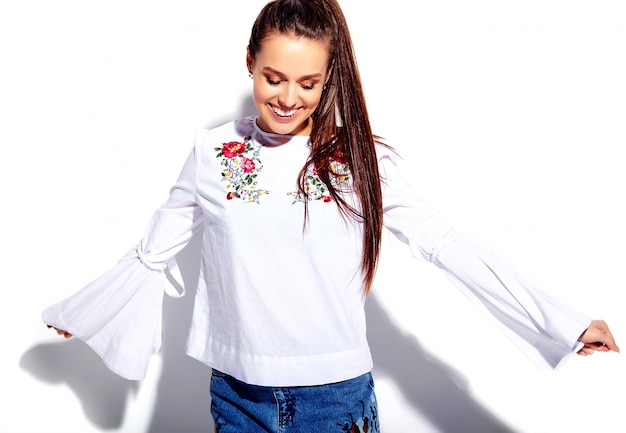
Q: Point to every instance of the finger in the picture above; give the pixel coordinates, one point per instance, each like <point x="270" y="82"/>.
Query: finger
<point x="600" y="347"/>
<point x="61" y="332"/>
<point x="586" y="350"/>
<point x="592" y="347"/>
<point x="609" y="342"/>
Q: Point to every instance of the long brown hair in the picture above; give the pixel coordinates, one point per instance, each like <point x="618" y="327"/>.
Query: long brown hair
<point x="341" y="128"/>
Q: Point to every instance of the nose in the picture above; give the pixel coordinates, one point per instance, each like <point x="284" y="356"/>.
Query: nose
<point x="288" y="97"/>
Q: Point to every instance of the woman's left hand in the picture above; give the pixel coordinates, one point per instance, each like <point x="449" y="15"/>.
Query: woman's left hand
<point x="597" y="337"/>
<point x="61" y="332"/>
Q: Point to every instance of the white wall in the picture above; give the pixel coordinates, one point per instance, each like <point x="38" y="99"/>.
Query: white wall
<point x="510" y="115"/>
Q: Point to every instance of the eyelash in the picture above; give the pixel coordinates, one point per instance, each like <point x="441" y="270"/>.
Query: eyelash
<point x="276" y="83"/>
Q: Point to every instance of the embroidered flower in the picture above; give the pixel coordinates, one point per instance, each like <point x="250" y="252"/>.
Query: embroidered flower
<point x="315" y="189"/>
<point x="233" y="148"/>
<point x="248" y="165"/>
<point x="241" y="167"/>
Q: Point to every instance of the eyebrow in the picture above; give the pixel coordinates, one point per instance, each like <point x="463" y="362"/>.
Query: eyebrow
<point x="304" y="77"/>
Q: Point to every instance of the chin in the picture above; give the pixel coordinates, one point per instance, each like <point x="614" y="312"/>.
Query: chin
<point x="284" y="127"/>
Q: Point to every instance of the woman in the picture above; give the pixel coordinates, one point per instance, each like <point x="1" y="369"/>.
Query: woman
<point x="291" y="205"/>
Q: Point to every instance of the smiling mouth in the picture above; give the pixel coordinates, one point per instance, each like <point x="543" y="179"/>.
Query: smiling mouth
<point x="283" y="113"/>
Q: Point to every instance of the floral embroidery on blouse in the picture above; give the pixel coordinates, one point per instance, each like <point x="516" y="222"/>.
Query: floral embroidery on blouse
<point x="315" y="189"/>
<point x="241" y="167"/>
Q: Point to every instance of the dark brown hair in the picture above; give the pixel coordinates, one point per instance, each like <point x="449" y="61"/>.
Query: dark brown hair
<point x="341" y="129"/>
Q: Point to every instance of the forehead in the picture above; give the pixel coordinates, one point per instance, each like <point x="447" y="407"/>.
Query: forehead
<point x="290" y="53"/>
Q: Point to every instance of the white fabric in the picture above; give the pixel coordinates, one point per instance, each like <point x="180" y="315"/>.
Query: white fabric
<point x="280" y="304"/>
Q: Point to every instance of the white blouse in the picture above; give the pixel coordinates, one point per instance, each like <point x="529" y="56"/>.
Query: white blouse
<point x="281" y="303"/>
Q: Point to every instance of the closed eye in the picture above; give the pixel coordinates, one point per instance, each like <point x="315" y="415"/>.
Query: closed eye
<point x="276" y="81"/>
<point x="272" y="82"/>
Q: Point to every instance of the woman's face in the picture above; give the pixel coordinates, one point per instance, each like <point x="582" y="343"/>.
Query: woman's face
<point x="289" y="76"/>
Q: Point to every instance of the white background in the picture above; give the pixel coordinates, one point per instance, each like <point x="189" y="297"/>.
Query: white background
<point x="510" y="116"/>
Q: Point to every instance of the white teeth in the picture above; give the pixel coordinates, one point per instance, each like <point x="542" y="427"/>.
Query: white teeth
<point x="283" y="113"/>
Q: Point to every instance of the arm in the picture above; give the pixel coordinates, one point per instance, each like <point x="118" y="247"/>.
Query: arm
<point x="119" y="314"/>
<point x="544" y="329"/>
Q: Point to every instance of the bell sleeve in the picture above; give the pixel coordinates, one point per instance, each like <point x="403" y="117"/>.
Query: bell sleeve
<point x="119" y="314"/>
<point x="542" y="328"/>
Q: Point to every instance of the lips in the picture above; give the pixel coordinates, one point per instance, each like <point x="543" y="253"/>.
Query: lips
<point x="283" y="113"/>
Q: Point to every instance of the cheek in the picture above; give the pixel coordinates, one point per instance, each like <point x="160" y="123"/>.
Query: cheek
<point x="312" y="99"/>
<point x="259" y="93"/>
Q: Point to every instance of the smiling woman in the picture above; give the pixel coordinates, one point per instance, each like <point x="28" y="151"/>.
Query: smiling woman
<point x="305" y="179"/>
<point x="289" y="74"/>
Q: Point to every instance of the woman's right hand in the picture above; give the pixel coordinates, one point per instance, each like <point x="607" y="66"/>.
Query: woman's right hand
<point x="61" y="332"/>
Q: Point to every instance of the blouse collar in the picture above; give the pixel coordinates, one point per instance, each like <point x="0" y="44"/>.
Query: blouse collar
<point x="272" y="139"/>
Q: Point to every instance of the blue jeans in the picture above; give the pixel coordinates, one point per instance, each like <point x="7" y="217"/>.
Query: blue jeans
<point x="348" y="406"/>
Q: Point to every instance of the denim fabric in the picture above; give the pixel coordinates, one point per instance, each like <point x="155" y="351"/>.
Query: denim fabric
<point x="348" y="406"/>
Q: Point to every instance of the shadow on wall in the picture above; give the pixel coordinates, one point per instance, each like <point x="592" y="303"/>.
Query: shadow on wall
<point x="435" y="390"/>
<point x="103" y="394"/>
<point x="182" y="403"/>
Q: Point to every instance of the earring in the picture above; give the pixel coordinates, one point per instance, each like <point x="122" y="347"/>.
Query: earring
<point x="250" y="75"/>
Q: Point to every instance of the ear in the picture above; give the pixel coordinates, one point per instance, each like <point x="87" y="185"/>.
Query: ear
<point x="249" y="61"/>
